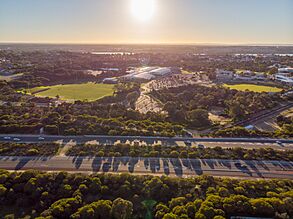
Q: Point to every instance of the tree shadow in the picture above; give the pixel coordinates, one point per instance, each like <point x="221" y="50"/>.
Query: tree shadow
<point x="77" y="161"/>
<point x="177" y="166"/>
<point x="132" y="162"/>
<point x="263" y="165"/>
<point x="211" y="163"/>
<point x="285" y="165"/>
<point x="154" y="164"/>
<point x="166" y="166"/>
<point x="186" y="163"/>
<point x="225" y="163"/>
<point x="196" y="166"/>
<point x="22" y="162"/>
<point x="146" y="163"/>
<point x="96" y="164"/>
<point x="107" y="165"/>
<point x="116" y="163"/>
<point x="244" y="168"/>
<point x="124" y="160"/>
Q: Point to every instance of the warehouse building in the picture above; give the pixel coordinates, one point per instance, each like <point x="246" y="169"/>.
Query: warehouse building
<point x="149" y="73"/>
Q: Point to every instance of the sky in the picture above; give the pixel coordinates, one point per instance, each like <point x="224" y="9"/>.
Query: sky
<point x="172" y="22"/>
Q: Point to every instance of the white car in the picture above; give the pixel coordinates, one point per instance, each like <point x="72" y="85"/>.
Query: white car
<point x="41" y="138"/>
<point x="16" y="139"/>
<point x="7" y="138"/>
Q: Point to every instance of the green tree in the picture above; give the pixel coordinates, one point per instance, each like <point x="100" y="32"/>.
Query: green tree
<point x="96" y="210"/>
<point x="170" y="216"/>
<point x="122" y="209"/>
<point x="198" y="118"/>
<point x="2" y="190"/>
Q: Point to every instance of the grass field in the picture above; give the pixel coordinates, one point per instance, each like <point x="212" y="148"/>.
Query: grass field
<point x="253" y="87"/>
<point x="71" y="92"/>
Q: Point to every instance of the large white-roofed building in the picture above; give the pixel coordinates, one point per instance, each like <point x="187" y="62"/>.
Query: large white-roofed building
<point x="148" y="73"/>
<point x="284" y="79"/>
<point x="285" y="70"/>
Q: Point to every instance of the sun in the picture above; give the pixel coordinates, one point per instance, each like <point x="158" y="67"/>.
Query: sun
<point x="143" y="10"/>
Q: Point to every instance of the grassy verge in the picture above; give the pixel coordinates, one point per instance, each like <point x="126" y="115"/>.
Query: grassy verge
<point x="40" y="149"/>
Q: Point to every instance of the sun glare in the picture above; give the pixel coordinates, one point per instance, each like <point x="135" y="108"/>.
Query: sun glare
<point x="143" y="10"/>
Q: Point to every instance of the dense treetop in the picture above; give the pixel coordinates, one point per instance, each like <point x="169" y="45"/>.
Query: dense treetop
<point x="63" y="195"/>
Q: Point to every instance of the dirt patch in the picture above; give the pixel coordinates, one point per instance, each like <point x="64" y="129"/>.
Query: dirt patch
<point x="66" y="147"/>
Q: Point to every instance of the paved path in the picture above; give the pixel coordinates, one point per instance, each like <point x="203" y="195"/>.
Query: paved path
<point x="158" y="166"/>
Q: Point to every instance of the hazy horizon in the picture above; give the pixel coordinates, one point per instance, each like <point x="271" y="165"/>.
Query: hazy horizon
<point x="159" y="44"/>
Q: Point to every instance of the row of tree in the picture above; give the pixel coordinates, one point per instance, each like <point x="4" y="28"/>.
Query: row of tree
<point x="120" y="149"/>
<point x="286" y="131"/>
<point x="23" y="149"/>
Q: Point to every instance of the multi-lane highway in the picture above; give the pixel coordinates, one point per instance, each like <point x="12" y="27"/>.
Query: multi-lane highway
<point x="209" y="142"/>
<point x="156" y="166"/>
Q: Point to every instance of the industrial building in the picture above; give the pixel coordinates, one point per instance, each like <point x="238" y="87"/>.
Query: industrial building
<point x="284" y="79"/>
<point x="226" y="76"/>
<point x="285" y="70"/>
<point x="285" y="76"/>
<point x="149" y="73"/>
<point x="223" y="75"/>
<point x="110" y="81"/>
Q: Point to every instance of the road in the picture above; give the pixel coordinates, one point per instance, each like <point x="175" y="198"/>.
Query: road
<point x="268" y="114"/>
<point x="270" y="123"/>
<point x="246" y="145"/>
<point x="155" y="166"/>
<point x="208" y="142"/>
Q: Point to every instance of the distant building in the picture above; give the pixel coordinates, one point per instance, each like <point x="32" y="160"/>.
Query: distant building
<point x="223" y="75"/>
<point x="285" y="70"/>
<point x="249" y="76"/>
<point x="110" y="81"/>
<point x="284" y="79"/>
<point x="261" y="76"/>
<point x="149" y="73"/>
<point x="246" y="76"/>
